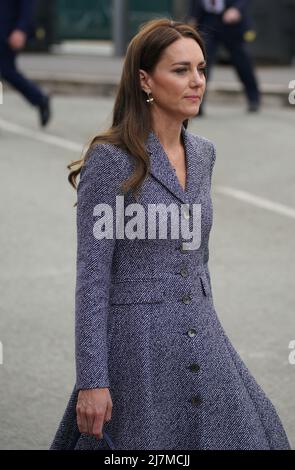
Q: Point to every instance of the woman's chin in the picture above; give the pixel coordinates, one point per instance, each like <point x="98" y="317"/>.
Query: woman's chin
<point x="194" y="113"/>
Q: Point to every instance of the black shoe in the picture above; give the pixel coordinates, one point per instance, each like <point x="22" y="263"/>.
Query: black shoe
<point x="44" y="111"/>
<point x="253" y="106"/>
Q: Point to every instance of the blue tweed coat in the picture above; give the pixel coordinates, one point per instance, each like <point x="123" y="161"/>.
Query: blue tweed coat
<point x="146" y="326"/>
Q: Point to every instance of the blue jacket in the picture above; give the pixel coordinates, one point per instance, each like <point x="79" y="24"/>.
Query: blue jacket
<point x="15" y="14"/>
<point x="196" y="10"/>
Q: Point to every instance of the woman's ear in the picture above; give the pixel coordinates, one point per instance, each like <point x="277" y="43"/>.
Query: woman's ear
<point x="144" y="78"/>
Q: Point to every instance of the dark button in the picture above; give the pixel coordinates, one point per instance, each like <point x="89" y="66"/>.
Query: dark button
<point x="194" y="367"/>
<point x="192" y="332"/>
<point x="184" y="272"/>
<point x="196" y="400"/>
<point x="186" y="299"/>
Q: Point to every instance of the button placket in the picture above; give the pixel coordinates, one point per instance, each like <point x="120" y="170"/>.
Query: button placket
<point x="186" y="299"/>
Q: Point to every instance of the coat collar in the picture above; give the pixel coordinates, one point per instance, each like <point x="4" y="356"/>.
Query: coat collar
<point x="161" y="167"/>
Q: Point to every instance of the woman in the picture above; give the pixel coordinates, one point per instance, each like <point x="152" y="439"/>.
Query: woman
<point x="155" y="369"/>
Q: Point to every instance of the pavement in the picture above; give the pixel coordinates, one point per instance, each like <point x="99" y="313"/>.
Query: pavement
<point x="86" y="67"/>
<point x="252" y="252"/>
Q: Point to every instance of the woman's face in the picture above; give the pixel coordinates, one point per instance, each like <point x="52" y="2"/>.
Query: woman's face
<point x="178" y="81"/>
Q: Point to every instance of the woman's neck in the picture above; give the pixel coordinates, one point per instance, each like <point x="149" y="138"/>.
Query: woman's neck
<point x="168" y="132"/>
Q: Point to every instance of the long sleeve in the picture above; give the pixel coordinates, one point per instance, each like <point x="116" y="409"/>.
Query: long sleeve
<point x="99" y="183"/>
<point x="24" y="18"/>
<point x="241" y="5"/>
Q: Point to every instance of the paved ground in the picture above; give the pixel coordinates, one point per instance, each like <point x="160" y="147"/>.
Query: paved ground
<point x="100" y="66"/>
<point x="99" y="73"/>
<point x="252" y="253"/>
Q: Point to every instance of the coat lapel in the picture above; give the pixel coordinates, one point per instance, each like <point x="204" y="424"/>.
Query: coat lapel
<point x="162" y="170"/>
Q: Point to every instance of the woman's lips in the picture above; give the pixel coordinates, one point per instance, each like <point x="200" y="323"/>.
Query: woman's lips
<point x="192" y="98"/>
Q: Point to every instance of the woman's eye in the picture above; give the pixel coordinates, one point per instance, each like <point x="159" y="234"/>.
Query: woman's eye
<point x="201" y="70"/>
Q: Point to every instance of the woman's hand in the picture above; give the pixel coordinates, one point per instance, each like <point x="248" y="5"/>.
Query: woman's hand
<point x="17" y="39"/>
<point x="94" y="408"/>
<point x="231" y="15"/>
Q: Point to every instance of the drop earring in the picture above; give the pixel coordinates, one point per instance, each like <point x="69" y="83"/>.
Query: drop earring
<point x="150" y="99"/>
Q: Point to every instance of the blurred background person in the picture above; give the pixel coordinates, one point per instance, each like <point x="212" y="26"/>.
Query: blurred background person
<point x="15" y="27"/>
<point x="226" y="22"/>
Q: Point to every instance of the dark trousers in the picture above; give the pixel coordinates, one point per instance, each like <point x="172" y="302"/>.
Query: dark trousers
<point x="214" y="32"/>
<point x="10" y="73"/>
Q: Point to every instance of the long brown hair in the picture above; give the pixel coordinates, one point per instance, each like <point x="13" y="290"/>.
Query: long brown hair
<point x="131" y="114"/>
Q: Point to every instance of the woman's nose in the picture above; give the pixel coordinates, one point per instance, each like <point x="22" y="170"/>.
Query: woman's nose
<point x="198" y="78"/>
